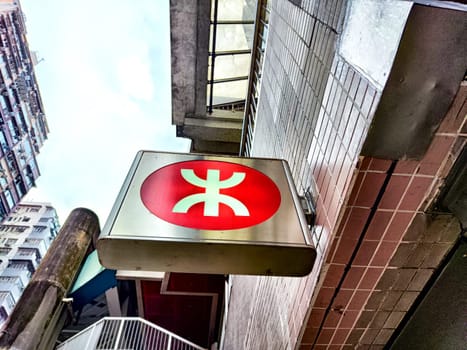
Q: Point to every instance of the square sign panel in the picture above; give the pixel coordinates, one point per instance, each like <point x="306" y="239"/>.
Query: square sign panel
<point x="207" y="214"/>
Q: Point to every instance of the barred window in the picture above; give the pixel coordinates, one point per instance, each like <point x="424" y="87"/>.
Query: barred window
<point x="37" y="229"/>
<point x="11" y="241"/>
<point x="27" y="252"/>
<point x="32" y="241"/>
<point x="4" y="251"/>
<point x="34" y="209"/>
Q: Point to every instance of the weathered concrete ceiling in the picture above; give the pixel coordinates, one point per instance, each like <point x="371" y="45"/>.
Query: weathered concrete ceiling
<point x="429" y="65"/>
<point x="189" y="40"/>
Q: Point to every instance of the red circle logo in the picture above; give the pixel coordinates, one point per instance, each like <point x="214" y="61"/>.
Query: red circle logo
<point x="210" y="195"/>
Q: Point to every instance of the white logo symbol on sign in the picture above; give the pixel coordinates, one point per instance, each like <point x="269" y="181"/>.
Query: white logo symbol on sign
<point x="211" y="198"/>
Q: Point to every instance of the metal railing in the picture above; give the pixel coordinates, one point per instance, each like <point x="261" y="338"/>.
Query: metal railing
<point x="121" y="333"/>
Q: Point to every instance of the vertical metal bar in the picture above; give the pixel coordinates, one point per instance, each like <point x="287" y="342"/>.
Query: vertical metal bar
<point x="111" y="333"/>
<point x="213" y="54"/>
<point x="127" y="334"/>
<point x="169" y="343"/>
<point x="166" y="340"/>
<point x="160" y="341"/>
<point x="130" y="333"/>
<point x="150" y="337"/>
<point x="124" y="334"/>
<point x="138" y="335"/>
<point x="119" y="334"/>
<point x="107" y="333"/>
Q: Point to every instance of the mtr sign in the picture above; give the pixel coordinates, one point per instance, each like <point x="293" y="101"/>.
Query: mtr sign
<point x="210" y="195"/>
<point x="207" y="214"/>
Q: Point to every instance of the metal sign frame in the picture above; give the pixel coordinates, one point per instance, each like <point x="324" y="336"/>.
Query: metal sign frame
<point x="135" y="239"/>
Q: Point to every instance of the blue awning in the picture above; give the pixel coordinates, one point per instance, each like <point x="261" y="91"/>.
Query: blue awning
<point x="93" y="280"/>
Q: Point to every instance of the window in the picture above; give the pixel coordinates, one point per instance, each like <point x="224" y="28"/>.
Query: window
<point x="9" y="198"/>
<point x="230" y="44"/>
<point x="3" y="178"/>
<point x="20" y="187"/>
<point x="14" y="131"/>
<point x="3" y="315"/>
<point x="27" y="252"/>
<point x="4" y="142"/>
<point x="4" y="103"/>
<point x="28" y="151"/>
<point x="18" y="265"/>
<point x="5" y="74"/>
<point x="13" y="228"/>
<point x="20" y="229"/>
<point x="2" y="209"/>
<point x="6" y="296"/>
<point x="4" y="251"/>
<point x="8" y="279"/>
<point x="37" y="229"/>
<point x="29" y="178"/>
<point x="13" y="280"/>
<point x="11" y="241"/>
<point x="22" y="265"/>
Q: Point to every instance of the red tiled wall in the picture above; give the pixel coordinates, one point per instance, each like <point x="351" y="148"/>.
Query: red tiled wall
<point x="360" y="261"/>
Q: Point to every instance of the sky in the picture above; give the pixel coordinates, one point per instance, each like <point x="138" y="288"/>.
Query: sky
<point x="104" y="78"/>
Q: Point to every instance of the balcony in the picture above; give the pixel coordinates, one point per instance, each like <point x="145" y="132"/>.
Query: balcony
<point x="24" y="275"/>
<point x="12" y="288"/>
<point x="31" y="261"/>
<point x="120" y="333"/>
<point x="41" y="232"/>
<point x="38" y="244"/>
<point x="7" y="302"/>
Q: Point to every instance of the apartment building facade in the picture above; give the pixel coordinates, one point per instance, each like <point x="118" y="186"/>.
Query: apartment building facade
<point x="25" y="236"/>
<point x="23" y="125"/>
